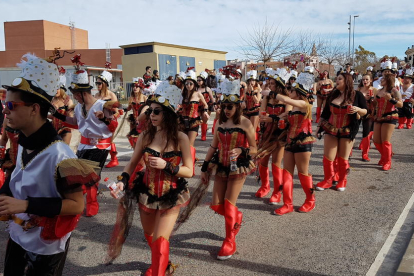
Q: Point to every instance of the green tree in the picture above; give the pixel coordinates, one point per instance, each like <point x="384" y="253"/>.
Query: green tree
<point x="364" y="58"/>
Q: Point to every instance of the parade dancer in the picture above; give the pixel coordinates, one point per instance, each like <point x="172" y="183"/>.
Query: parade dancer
<point x="162" y="190"/>
<point x="208" y="97"/>
<point x="64" y="105"/>
<point x="298" y="148"/>
<point x="405" y="114"/>
<point x="252" y="97"/>
<point x="369" y="92"/>
<point x="95" y="121"/>
<point x="189" y="115"/>
<point x="274" y="136"/>
<point x="386" y="116"/>
<point x="136" y="103"/>
<point x="340" y="122"/>
<point x="229" y="157"/>
<point x="102" y="83"/>
<point x="324" y="88"/>
<point x="42" y="200"/>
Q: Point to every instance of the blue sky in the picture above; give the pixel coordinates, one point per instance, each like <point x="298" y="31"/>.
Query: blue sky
<point x="384" y="27"/>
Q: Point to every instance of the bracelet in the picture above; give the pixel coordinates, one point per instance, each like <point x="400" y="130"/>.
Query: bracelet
<point x="393" y="101"/>
<point x="213" y="147"/>
<point x="59" y="116"/>
<point x="245" y="151"/>
<point x="124" y="178"/>
<point x="205" y="166"/>
<point x="170" y="169"/>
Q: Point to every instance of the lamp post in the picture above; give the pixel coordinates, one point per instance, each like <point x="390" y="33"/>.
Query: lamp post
<point x="353" y="41"/>
<point x="349" y="44"/>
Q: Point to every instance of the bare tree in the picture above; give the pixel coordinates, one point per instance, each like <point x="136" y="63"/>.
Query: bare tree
<point x="307" y="43"/>
<point x="265" y="42"/>
<point x="331" y="51"/>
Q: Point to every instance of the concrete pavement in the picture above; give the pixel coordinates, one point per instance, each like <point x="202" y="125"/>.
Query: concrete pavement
<point x="347" y="233"/>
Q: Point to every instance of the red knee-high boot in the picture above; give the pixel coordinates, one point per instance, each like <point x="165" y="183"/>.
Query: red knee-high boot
<point x="92" y="205"/>
<point x="277" y="184"/>
<point x="365" y="148"/>
<point x="387" y="153"/>
<point x="214" y="125"/>
<point x="231" y="213"/>
<point x="380" y="150"/>
<point x="307" y="186"/>
<point x="329" y="173"/>
<point x="149" y="242"/>
<point x="336" y="170"/>
<point x="409" y="123"/>
<point x="370" y="137"/>
<point x="287" y="194"/>
<point x="401" y="122"/>
<point x="114" y="160"/>
<point x="204" y="127"/>
<point x="264" y="178"/>
<point x="343" y="171"/>
<point x="160" y="251"/>
<point x="318" y="114"/>
<point x="218" y="208"/>
<point x="193" y="155"/>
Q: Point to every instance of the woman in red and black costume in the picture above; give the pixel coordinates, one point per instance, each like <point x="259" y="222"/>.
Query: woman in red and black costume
<point x="162" y="190"/>
<point x="274" y="136"/>
<point x="324" y="88"/>
<point x="208" y="97"/>
<point x="102" y="83"/>
<point x="366" y="88"/>
<point x="136" y="103"/>
<point x="8" y="157"/>
<point x="340" y="122"/>
<point x="229" y="157"/>
<point x="298" y="148"/>
<point x="252" y="98"/>
<point x="189" y="116"/>
<point x="64" y="105"/>
<point x="386" y="102"/>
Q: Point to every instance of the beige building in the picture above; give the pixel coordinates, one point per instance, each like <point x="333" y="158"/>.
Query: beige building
<point x="168" y="59"/>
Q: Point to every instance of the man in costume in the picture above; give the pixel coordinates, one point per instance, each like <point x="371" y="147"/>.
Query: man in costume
<point x="42" y="199"/>
<point x="405" y="114"/>
<point x="96" y="123"/>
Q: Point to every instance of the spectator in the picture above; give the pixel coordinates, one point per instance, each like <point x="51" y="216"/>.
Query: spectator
<point x="155" y="76"/>
<point x="339" y="72"/>
<point x="147" y="76"/>
<point x="262" y="76"/>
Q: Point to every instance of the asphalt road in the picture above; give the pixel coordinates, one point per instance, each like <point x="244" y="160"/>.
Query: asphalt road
<point x="341" y="236"/>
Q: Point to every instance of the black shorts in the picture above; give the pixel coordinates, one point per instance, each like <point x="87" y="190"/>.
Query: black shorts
<point x="299" y="148"/>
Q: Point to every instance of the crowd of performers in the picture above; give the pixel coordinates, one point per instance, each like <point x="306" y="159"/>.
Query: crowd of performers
<point x="43" y="195"/>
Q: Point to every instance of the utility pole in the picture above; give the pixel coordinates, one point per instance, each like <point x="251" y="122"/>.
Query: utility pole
<point x="353" y="41"/>
<point x="349" y="44"/>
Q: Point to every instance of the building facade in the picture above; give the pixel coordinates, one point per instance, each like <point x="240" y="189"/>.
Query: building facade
<point x="168" y="59"/>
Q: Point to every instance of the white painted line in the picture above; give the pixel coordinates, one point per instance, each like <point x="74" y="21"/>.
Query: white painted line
<point x="390" y="240"/>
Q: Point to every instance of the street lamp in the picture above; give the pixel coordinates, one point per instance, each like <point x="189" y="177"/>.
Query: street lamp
<point x="353" y="41"/>
<point x="349" y="44"/>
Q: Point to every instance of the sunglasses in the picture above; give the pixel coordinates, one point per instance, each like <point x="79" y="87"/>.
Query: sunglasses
<point x="98" y="83"/>
<point x="199" y="80"/>
<point x="12" y="105"/>
<point x="189" y="83"/>
<point x="156" y="111"/>
<point x="228" y="107"/>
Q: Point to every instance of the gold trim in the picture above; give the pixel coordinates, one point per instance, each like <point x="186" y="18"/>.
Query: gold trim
<point x="31" y="160"/>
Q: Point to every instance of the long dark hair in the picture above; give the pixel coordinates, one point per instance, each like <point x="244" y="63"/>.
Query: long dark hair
<point x="169" y="125"/>
<point x="279" y="90"/>
<point x="389" y="82"/>
<point x="236" y="117"/>
<point x="349" y="92"/>
<point x="186" y="95"/>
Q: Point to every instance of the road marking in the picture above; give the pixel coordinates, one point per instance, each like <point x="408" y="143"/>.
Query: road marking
<point x="390" y="240"/>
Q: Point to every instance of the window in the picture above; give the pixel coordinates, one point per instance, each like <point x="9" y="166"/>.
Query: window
<point x="138" y="50"/>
